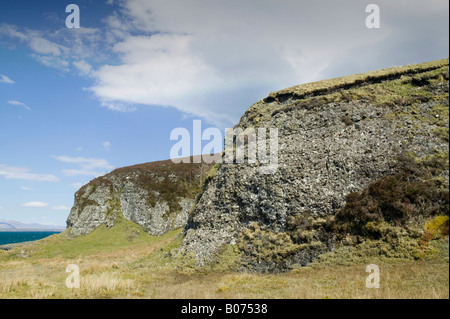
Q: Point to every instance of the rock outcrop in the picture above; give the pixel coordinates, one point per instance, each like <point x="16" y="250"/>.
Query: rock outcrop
<point x="361" y="159"/>
<point x="335" y="138"/>
<point x="155" y="195"/>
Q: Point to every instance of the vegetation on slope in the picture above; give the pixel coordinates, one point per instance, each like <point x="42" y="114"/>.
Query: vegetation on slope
<point x="122" y="236"/>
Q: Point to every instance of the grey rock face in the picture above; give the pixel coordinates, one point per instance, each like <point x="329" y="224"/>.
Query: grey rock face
<point x="156" y="219"/>
<point x="91" y="209"/>
<point x="135" y="194"/>
<point x="326" y="151"/>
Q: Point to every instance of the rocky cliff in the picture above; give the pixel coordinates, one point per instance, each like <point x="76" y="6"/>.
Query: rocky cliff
<point x="155" y="195"/>
<point x="355" y="154"/>
<point x="362" y="166"/>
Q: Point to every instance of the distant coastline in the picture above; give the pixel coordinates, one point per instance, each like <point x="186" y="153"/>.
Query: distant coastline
<point x="13" y="225"/>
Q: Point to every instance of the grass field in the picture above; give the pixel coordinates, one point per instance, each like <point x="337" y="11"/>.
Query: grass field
<point x="125" y="262"/>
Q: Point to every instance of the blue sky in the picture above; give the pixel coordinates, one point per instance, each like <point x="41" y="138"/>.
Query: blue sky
<point x="77" y="103"/>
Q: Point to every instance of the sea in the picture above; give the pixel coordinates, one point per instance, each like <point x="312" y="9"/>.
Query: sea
<point x="11" y="237"/>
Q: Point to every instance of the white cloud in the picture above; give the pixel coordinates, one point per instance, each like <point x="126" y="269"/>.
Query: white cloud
<point x="210" y="59"/>
<point x="11" y="31"/>
<point x="106" y="145"/>
<point x="162" y="63"/>
<point x="47" y="52"/>
<point x="43" y="46"/>
<point x="17" y="103"/>
<point x="83" y="66"/>
<point x="61" y="48"/>
<point x="25" y="188"/>
<point x="52" y="62"/>
<point x="60" y="207"/>
<point x="35" y="204"/>
<point x="214" y="58"/>
<point x="5" y="79"/>
<point x="119" y="107"/>
<point x="21" y="173"/>
<point x="1" y="207"/>
<point x="88" y="166"/>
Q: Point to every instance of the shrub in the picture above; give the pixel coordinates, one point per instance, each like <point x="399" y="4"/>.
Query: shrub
<point x="416" y="192"/>
<point x="436" y="228"/>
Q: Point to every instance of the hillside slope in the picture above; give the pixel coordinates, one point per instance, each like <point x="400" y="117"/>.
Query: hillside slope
<point x="360" y="157"/>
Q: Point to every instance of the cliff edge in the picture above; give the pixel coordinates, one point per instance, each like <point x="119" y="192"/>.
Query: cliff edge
<point x="361" y="170"/>
<point x="359" y="157"/>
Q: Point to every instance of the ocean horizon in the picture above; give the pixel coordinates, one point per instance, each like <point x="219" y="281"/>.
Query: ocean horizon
<point x="19" y="236"/>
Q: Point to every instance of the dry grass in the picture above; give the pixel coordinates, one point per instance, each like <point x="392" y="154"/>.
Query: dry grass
<point x="106" y="275"/>
<point x="418" y="280"/>
<point x="145" y="267"/>
<point x="45" y="278"/>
